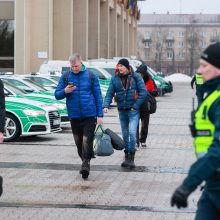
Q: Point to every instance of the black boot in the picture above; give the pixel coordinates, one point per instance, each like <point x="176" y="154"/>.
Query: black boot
<point x="125" y="162"/>
<point x="85" y="169"/>
<point x="131" y="163"/>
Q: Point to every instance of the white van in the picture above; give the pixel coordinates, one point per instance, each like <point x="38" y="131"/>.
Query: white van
<point x="58" y="66"/>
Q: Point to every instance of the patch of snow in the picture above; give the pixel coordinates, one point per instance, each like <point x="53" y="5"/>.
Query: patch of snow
<point x="178" y="77"/>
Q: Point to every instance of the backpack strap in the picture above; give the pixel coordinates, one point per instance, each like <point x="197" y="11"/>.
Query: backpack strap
<point x="91" y="76"/>
<point x="66" y="76"/>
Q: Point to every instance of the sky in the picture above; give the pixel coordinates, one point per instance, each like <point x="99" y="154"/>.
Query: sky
<point x="180" y="6"/>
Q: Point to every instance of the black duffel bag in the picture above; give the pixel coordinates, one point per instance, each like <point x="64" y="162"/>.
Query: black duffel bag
<point x="116" y="140"/>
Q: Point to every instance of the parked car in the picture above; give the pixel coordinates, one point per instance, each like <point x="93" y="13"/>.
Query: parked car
<point x="26" y="118"/>
<point x="60" y="105"/>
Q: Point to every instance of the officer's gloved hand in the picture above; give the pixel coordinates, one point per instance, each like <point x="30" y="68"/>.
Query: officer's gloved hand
<point x="179" y="197"/>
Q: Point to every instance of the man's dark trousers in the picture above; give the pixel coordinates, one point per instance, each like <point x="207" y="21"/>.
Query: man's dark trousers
<point x="83" y="133"/>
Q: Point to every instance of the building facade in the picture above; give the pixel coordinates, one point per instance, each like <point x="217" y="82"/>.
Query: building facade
<point x="54" y="29"/>
<point x="172" y="43"/>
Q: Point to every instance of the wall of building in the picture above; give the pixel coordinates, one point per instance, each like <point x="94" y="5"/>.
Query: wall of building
<point x="54" y="29"/>
<point x="185" y="52"/>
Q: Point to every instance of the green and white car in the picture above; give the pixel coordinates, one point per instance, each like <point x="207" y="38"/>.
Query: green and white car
<point x="26" y="118"/>
<point x="48" y="100"/>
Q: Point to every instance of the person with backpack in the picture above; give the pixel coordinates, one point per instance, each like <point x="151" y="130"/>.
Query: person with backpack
<point x="84" y="106"/>
<point x="129" y="91"/>
<point x="145" y="115"/>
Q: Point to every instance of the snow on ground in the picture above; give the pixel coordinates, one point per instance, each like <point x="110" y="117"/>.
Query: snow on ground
<point x="178" y="77"/>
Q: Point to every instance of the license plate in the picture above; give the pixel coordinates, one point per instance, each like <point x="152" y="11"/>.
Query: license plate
<point x="56" y="122"/>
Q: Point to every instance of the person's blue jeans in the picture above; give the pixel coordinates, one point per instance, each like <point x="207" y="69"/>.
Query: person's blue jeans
<point x="129" y="122"/>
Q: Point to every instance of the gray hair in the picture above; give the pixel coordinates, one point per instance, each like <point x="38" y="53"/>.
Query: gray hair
<point x="74" y="57"/>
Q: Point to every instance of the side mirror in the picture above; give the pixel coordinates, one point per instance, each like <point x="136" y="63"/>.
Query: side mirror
<point x="29" y="90"/>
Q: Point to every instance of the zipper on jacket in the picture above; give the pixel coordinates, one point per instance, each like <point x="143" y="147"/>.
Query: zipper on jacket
<point x="80" y="109"/>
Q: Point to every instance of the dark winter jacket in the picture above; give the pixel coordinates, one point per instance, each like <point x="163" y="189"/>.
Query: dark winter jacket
<point x="86" y="100"/>
<point x="2" y="108"/>
<point x="205" y="168"/>
<point x="126" y="95"/>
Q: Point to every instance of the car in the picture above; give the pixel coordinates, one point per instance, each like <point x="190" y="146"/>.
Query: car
<point x="48" y="84"/>
<point x="27" y="118"/>
<point x="46" y="99"/>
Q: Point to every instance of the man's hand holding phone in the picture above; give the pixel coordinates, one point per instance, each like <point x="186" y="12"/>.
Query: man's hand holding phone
<point x="70" y="87"/>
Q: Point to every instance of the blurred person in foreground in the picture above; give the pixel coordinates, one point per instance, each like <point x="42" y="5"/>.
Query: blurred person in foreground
<point x="205" y="129"/>
<point x="2" y="124"/>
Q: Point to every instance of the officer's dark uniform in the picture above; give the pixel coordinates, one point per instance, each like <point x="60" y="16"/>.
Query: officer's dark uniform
<point x="206" y="132"/>
<point x="198" y="80"/>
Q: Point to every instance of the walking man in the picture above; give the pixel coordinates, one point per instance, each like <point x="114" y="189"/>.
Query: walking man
<point x="130" y="92"/>
<point x="84" y="105"/>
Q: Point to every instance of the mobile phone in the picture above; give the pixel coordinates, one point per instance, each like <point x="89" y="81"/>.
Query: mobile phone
<point x="71" y="84"/>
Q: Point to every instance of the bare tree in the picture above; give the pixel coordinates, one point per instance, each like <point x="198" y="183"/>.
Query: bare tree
<point x="159" y="45"/>
<point x="194" y="47"/>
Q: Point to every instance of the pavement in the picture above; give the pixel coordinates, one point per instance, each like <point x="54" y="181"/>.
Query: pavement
<point x="42" y="180"/>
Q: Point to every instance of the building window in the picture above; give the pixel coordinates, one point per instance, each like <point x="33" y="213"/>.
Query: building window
<point x="202" y="44"/>
<point x="158" y="45"/>
<point x="180" y="44"/>
<point x="181" y="55"/>
<point x="203" y="34"/>
<point x="147" y="55"/>
<point x="181" y="34"/>
<point x="147" y="44"/>
<point x="158" y="34"/>
<point x="169" y="44"/>
<point x="147" y="35"/>
<point x="169" y="55"/>
<point x="214" y="34"/>
<point x="169" y="34"/>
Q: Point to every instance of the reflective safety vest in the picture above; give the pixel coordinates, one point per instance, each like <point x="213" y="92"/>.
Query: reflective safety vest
<point x="204" y="128"/>
<point x="199" y="79"/>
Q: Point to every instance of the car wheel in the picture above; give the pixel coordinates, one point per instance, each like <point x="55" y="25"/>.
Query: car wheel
<point x="12" y="128"/>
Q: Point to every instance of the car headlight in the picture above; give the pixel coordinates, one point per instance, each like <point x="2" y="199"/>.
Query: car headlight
<point x="35" y="113"/>
<point x="59" y="106"/>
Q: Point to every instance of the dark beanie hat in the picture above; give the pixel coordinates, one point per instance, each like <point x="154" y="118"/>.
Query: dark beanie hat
<point x="142" y="69"/>
<point x="212" y="54"/>
<point x="124" y="62"/>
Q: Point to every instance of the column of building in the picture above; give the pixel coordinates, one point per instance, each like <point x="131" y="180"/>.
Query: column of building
<point x="54" y="29"/>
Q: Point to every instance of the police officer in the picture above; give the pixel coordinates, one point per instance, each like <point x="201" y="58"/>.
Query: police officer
<point x="207" y="142"/>
<point x="2" y="123"/>
<point x="198" y="80"/>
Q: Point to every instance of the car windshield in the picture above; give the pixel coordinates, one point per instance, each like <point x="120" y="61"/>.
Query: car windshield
<point x="110" y="70"/>
<point x="56" y="78"/>
<point x="65" y="68"/>
<point x="20" y="85"/>
<point x="42" y="81"/>
<point x="35" y="85"/>
<point x="98" y="73"/>
<point x="12" y="88"/>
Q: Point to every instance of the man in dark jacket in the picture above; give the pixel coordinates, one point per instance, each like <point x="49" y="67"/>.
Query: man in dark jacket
<point x="2" y="123"/>
<point x="127" y="85"/>
<point x="198" y="80"/>
<point x="84" y="105"/>
<point x="206" y="133"/>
